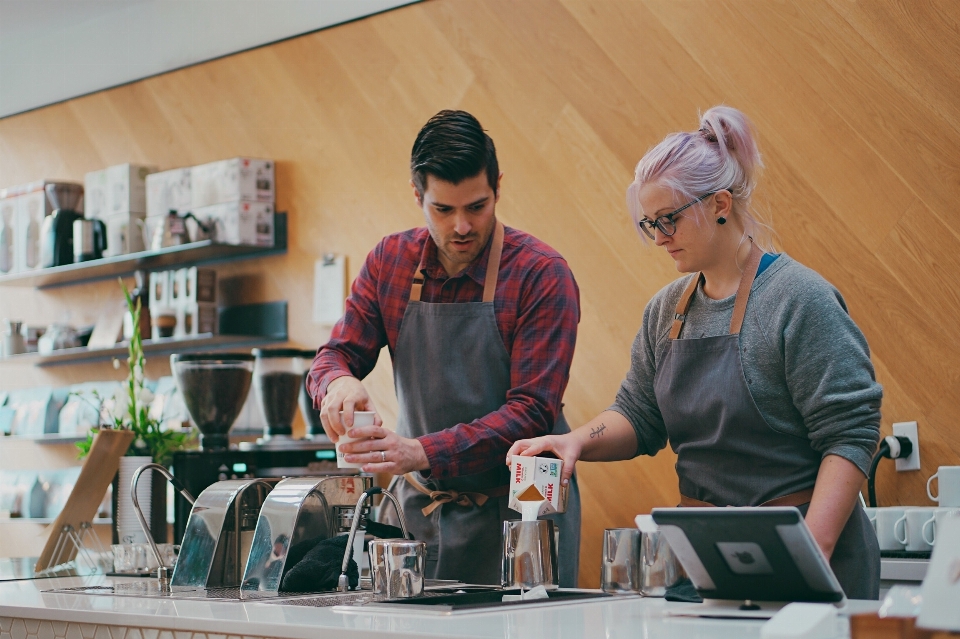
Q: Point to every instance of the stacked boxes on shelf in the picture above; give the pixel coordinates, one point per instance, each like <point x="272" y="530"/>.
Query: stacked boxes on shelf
<point x="234" y="198"/>
<point x="22" y="211"/>
<point x="237" y="198"/>
<point x="183" y="303"/>
<point x="117" y="195"/>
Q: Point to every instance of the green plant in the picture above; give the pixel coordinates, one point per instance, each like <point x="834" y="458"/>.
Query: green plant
<point x="131" y="405"/>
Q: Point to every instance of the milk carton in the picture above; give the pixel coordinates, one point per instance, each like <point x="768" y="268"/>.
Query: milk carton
<point x="542" y="473"/>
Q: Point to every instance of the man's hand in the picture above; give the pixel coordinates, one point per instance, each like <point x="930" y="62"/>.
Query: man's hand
<point x="383" y="451"/>
<point x="345" y="394"/>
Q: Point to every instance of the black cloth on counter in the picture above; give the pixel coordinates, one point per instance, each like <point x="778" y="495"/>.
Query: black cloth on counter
<point x="385" y="531"/>
<point x="316" y="566"/>
<point x="683" y="591"/>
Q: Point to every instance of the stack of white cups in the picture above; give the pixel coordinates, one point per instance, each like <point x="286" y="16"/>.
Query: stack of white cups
<point x="914" y="529"/>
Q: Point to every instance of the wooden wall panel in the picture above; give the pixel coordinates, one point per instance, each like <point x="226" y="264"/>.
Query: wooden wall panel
<point x="856" y="104"/>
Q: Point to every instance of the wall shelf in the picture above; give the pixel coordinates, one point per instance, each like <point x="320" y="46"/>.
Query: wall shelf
<point x="194" y="253"/>
<point x="244" y="326"/>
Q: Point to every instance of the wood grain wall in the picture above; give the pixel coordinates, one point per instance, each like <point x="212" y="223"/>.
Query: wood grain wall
<point x="859" y="119"/>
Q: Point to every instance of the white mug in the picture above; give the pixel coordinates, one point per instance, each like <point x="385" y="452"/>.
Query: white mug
<point x="872" y="516"/>
<point x="912" y="522"/>
<point x="929" y="530"/>
<point x="887" y="520"/>
<point x="360" y="418"/>
<point x="948" y="491"/>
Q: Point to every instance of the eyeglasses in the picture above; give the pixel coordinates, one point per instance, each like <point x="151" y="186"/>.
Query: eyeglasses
<point x="665" y="223"/>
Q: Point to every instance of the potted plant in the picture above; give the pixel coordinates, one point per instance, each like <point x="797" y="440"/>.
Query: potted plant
<point x="129" y="409"/>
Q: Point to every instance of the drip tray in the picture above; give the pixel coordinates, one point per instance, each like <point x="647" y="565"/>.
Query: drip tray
<point x="365" y="597"/>
<point x="471" y="602"/>
<point x="149" y="588"/>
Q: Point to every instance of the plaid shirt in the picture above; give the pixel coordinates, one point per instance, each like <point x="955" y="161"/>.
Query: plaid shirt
<point x="537" y="308"/>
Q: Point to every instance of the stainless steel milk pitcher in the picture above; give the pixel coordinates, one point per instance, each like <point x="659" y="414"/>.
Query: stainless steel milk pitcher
<point x="529" y="554"/>
<point x="620" y="564"/>
<point x="397" y="567"/>
<point x="659" y="567"/>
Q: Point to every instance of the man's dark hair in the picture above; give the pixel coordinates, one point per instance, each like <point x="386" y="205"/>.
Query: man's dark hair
<point x="452" y="146"/>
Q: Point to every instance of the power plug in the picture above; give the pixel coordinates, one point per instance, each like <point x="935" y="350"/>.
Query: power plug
<point x="908" y="430"/>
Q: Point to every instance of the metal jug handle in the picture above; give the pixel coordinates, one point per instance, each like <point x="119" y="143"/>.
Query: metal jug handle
<point x="163" y="578"/>
<point x="343" y="583"/>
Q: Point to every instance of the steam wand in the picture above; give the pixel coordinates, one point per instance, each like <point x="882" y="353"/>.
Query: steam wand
<point x="343" y="583"/>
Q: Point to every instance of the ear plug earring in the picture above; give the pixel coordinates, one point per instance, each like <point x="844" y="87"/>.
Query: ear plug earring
<point x="721" y="220"/>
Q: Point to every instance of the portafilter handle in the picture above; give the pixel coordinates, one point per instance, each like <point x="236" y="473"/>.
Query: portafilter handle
<point x="163" y="577"/>
<point x="343" y="583"/>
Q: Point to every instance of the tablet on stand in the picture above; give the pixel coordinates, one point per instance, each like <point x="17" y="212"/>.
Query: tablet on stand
<point x="746" y="562"/>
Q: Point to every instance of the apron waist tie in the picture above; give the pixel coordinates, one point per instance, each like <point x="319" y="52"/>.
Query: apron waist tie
<point x="798" y="498"/>
<point x="465" y="498"/>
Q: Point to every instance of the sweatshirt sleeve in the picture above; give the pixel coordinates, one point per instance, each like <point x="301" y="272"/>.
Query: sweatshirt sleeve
<point x="635" y="399"/>
<point x="829" y="374"/>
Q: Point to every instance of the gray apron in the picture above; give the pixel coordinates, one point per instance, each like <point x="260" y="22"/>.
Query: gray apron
<point x="450" y="367"/>
<point x="727" y="454"/>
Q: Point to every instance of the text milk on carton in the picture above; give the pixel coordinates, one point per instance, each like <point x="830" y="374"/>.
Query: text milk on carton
<point x="542" y="472"/>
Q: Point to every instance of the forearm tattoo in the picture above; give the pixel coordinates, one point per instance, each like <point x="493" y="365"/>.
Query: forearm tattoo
<point x="597" y="431"/>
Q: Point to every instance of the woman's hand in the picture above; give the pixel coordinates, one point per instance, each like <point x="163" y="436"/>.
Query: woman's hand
<point x="566" y="447"/>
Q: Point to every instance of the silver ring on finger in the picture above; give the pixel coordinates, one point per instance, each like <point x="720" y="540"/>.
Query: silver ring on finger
<point x="383" y="456"/>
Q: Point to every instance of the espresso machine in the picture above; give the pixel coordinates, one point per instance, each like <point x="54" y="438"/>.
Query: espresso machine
<point x="214" y="387"/>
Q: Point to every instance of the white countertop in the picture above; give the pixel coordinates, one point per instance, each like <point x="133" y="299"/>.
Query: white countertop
<point x="621" y="617"/>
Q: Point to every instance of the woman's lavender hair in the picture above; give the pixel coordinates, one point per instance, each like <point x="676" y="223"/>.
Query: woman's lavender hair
<point x="722" y="154"/>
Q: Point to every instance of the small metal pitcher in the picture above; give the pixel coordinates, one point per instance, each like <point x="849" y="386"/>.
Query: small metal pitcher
<point x="620" y="563"/>
<point x="397" y="567"/>
<point x="530" y="554"/>
<point x="659" y="567"/>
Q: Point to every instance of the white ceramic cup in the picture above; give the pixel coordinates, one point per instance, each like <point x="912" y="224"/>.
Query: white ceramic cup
<point x="887" y="519"/>
<point x="948" y="489"/>
<point x="360" y="418"/>
<point x="911" y="523"/>
<point x="872" y="516"/>
<point x="929" y="530"/>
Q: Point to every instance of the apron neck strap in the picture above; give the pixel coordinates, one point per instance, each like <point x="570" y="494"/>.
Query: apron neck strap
<point x="739" y="306"/>
<point x="493" y="269"/>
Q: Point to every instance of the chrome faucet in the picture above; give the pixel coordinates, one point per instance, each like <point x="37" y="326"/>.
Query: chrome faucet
<point x="163" y="576"/>
<point x="343" y="583"/>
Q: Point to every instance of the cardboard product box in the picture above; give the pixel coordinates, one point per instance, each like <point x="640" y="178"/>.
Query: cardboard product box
<point x="196" y="319"/>
<point x="200" y="285"/>
<point x="233" y="180"/>
<point x="125" y="233"/>
<point x="159" y="290"/>
<point x="240" y="222"/>
<point x="169" y="191"/>
<point x="542" y="473"/>
<point x="8" y="232"/>
<point x="116" y="189"/>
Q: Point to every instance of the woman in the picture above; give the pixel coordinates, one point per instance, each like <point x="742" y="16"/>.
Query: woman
<point x="751" y="367"/>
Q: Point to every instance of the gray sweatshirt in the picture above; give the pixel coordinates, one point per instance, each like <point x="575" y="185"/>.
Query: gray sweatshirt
<point x="806" y="361"/>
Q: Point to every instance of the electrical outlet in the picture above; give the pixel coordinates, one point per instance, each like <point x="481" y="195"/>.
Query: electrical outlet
<point x="908" y="429"/>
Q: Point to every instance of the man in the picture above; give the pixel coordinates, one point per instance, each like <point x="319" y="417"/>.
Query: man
<point x="481" y="322"/>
